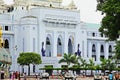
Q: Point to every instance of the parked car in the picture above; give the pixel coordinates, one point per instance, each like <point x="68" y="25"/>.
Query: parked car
<point x="97" y="76"/>
<point x="69" y="75"/>
<point x="44" y="75"/>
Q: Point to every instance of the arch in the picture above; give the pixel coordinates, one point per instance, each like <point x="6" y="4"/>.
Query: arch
<point x="93" y="48"/>
<point x="102" y="48"/>
<point x="48" y="46"/>
<point x="93" y="34"/>
<point x="6" y="45"/>
<point x="110" y="48"/>
<point x="59" y="46"/>
<point x="70" y="46"/>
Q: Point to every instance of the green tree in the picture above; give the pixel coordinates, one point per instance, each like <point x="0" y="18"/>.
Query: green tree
<point x="69" y="58"/>
<point x="27" y="58"/>
<point x="83" y="63"/>
<point x="107" y="64"/>
<point x="110" y="23"/>
<point x="117" y="52"/>
<point x="91" y="65"/>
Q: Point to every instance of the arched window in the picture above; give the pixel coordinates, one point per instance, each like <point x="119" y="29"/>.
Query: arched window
<point x="93" y="48"/>
<point x="6" y="28"/>
<point x="48" y="48"/>
<point x="6" y="44"/>
<point x="47" y="41"/>
<point x="102" y="48"/>
<point x="70" y="47"/>
<point x="101" y="35"/>
<point x="110" y="48"/>
<point x="59" y="47"/>
<point x="93" y="34"/>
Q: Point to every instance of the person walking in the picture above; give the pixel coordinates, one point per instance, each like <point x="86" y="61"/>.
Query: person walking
<point x="110" y="76"/>
<point x="25" y="76"/>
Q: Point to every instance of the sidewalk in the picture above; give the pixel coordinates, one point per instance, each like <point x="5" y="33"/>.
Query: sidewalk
<point x="86" y="78"/>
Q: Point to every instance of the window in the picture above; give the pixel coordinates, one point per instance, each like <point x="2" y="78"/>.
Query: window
<point x="93" y="48"/>
<point x="101" y="35"/>
<point x="110" y="48"/>
<point x="47" y="41"/>
<point x="102" y="48"/>
<point x="6" y="28"/>
<point x="59" y="42"/>
<point x="93" y="34"/>
<point x="6" y="44"/>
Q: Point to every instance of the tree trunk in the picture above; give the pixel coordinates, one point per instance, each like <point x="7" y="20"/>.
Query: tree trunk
<point x="28" y="69"/>
<point x="22" y="69"/>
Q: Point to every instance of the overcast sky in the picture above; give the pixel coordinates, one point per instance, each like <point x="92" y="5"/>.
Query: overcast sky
<point x="87" y="8"/>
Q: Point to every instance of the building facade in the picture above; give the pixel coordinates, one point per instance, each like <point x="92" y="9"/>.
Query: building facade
<point x="46" y="26"/>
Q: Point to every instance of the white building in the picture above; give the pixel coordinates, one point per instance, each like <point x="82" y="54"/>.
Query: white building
<point x="29" y="24"/>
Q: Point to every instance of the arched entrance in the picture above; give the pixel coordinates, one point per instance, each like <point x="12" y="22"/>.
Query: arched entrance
<point x="48" y="47"/>
<point x="59" y="48"/>
<point x="6" y="45"/>
<point x="70" y="47"/>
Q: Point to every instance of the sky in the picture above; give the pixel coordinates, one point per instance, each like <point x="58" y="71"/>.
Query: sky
<point x="88" y="12"/>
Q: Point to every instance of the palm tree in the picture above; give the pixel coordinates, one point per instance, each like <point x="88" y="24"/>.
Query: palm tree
<point x="107" y="64"/>
<point x="83" y="64"/>
<point x="69" y="58"/>
<point x="91" y="65"/>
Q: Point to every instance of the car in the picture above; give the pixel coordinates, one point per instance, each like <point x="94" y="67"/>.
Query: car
<point x="97" y="76"/>
<point x="69" y="75"/>
<point x="44" y="75"/>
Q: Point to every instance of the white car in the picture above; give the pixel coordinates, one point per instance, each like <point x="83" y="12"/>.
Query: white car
<point x="97" y="76"/>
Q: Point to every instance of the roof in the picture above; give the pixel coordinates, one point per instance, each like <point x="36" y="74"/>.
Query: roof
<point x="92" y="25"/>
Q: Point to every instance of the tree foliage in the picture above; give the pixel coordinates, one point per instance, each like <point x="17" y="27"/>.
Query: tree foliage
<point x="107" y="64"/>
<point x="27" y="58"/>
<point x="110" y="23"/>
<point x="69" y="58"/>
<point x="117" y="52"/>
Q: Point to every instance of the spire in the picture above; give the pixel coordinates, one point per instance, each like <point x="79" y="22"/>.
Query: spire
<point x="2" y="5"/>
<point x="1" y="2"/>
<point x="72" y="5"/>
<point x="1" y="39"/>
<point x="19" y="2"/>
<point x="22" y="2"/>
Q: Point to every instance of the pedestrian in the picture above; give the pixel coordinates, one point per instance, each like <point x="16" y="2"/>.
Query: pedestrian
<point x="36" y="76"/>
<point x="24" y="76"/>
<point x="18" y="75"/>
<point x="110" y="76"/>
<point x="12" y="76"/>
<point x="116" y="76"/>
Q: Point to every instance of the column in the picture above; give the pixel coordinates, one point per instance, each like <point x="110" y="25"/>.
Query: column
<point x="66" y="43"/>
<point x="55" y="44"/>
<point x="106" y="54"/>
<point x="89" y="53"/>
<point x="98" y="52"/>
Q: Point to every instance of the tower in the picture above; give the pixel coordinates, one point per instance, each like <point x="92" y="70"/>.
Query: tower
<point x="3" y="7"/>
<point x="72" y="5"/>
<point x="1" y="39"/>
